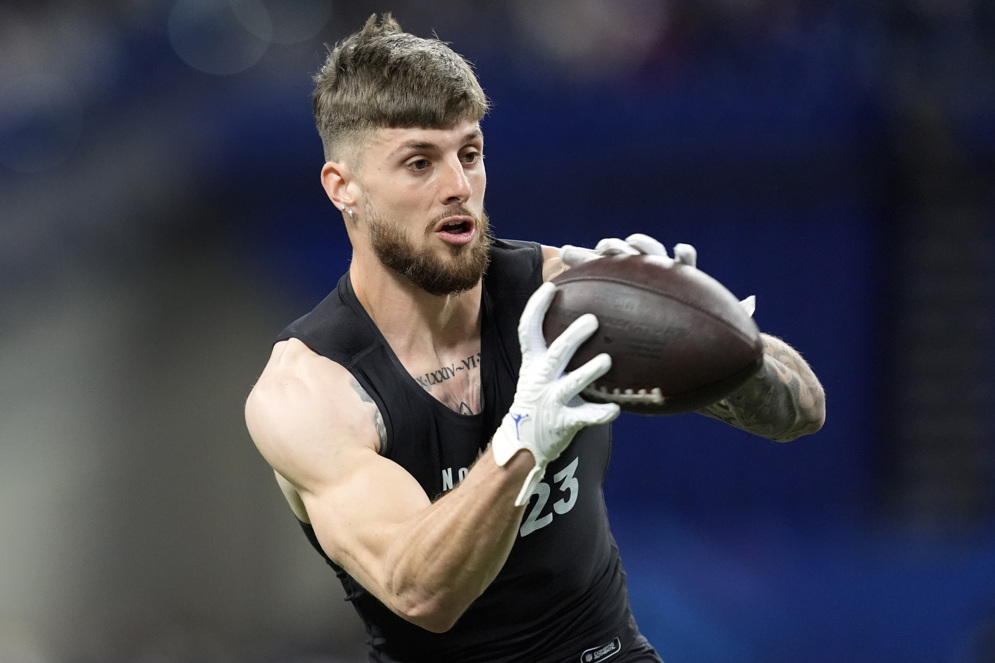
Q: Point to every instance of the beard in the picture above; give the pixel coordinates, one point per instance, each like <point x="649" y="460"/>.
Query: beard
<point x="437" y="275"/>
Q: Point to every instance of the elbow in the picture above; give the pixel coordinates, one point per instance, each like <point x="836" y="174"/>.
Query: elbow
<point x="817" y="421"/>
<point x="814" y="416"/>
<point x="433" y="614"/>
<point x="805" y="428"/>
<point x="807" y="422"/>
<point x="430" y="598"/>
<point x="435" y="622"/>
<point x="431" y="606"/>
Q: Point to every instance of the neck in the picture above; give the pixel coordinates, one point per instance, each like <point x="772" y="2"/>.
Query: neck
<point x="411" y="319"/>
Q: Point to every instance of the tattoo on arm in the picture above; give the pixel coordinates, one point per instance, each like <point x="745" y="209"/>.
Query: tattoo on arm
<point x="377" y="417"/>
<point x="783" y="401"/>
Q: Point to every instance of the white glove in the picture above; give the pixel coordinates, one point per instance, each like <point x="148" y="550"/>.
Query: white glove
<point x="640" y="244"/>
<point x="547" y="411"/>
<point x="633" y="245"/>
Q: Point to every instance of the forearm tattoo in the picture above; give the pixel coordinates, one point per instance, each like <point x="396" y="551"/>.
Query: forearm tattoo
<point x="377" y="417"/>
<point x="783" y="401"/>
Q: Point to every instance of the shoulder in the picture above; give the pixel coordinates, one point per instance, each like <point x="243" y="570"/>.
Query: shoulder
<point x="538" y="258"/>
<point x="336" y="327"/>
<point x="515" y="269"/>
<point x="305" y="408"/>
<point x="552" y="264"/>
<point x="510" y="256"/>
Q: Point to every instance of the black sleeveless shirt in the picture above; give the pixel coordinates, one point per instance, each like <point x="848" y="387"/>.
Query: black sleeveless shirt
<point x="561" y="595"/>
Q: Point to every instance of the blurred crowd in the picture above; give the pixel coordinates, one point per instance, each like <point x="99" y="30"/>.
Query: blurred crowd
<point x="157" y="159"/>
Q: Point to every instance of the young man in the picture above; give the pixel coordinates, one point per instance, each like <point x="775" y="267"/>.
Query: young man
<point x="431" y="445"/>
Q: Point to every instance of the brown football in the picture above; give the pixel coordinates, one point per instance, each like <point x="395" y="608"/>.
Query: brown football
<point x="678" y="339"/>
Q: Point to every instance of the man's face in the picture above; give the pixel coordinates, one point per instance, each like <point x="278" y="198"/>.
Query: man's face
<point x="424" y="205"/>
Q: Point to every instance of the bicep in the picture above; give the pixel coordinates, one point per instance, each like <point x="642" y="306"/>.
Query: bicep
<point x="359" y="509"/>
<point x="320" y="433"/>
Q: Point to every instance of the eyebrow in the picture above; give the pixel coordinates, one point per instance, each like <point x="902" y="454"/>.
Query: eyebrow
<point x="476" y="134"/>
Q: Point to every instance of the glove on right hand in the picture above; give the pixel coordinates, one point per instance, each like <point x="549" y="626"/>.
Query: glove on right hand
<point x="547" y="411"/>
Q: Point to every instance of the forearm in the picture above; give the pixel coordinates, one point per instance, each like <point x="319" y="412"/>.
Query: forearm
<point x="451" y="551"/>
<point x="782" y="402"/>
<point x="457" y="546"/>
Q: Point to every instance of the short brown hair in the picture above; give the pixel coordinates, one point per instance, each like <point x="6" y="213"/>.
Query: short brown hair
<point x="382" y="77"/>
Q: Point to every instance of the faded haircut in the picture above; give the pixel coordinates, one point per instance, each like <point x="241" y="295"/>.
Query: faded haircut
<point x="383" y="77"/>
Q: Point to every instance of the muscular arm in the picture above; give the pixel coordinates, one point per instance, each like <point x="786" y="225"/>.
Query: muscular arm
<point x="784" y="401"/>
<point x="427" y="561"/>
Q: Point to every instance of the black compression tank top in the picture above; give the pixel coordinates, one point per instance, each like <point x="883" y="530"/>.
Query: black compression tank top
<point x="561" y="595"/>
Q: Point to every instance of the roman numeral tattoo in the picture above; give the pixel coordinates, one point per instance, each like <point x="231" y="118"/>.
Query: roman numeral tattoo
<point x="439" y="376"/>
<point x="462" y="399"/>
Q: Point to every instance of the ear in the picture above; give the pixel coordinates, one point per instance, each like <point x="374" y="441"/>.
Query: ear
<point x="339" y="183"/>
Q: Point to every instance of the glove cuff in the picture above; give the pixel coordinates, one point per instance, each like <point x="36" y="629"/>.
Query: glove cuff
<point x="506" y="444"/>
<point x="534" y="477"/>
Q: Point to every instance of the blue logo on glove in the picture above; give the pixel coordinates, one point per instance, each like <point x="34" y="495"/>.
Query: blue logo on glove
<point x="518" y="418"/>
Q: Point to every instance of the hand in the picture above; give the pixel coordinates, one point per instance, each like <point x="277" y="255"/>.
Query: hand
<point x="547" y="411"/>
<point x="637" y="244"/>
<point x="640" y="244"/>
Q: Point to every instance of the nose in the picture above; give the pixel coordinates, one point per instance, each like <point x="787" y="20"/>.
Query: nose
<point x="456" y="187"/>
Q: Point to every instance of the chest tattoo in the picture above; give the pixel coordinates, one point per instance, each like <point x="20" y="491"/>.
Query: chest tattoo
<point x="457" y="385"/>
<point x="432" y="378"/>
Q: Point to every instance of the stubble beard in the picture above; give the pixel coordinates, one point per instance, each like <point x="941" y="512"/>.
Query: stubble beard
<point x="458" y="272"/>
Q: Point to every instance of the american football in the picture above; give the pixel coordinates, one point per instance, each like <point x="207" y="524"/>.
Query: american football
<point x="678" y="339"/>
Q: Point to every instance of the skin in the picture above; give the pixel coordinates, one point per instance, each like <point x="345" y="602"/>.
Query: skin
<point x="319" y="430"/>
<point x="782" y="402"/>
<point x="427" y="561"/>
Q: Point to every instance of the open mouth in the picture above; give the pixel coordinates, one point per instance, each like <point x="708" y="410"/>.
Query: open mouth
<point x="456" y="227"/>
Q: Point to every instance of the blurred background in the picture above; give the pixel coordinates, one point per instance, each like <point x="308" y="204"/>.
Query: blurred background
<point x="161" y="220"/>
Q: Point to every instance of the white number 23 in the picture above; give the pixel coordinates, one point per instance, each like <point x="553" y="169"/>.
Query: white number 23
<point x="567" y="484"/>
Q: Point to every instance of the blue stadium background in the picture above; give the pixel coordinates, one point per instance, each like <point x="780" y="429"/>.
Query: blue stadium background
<point x="810" y="151"/>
